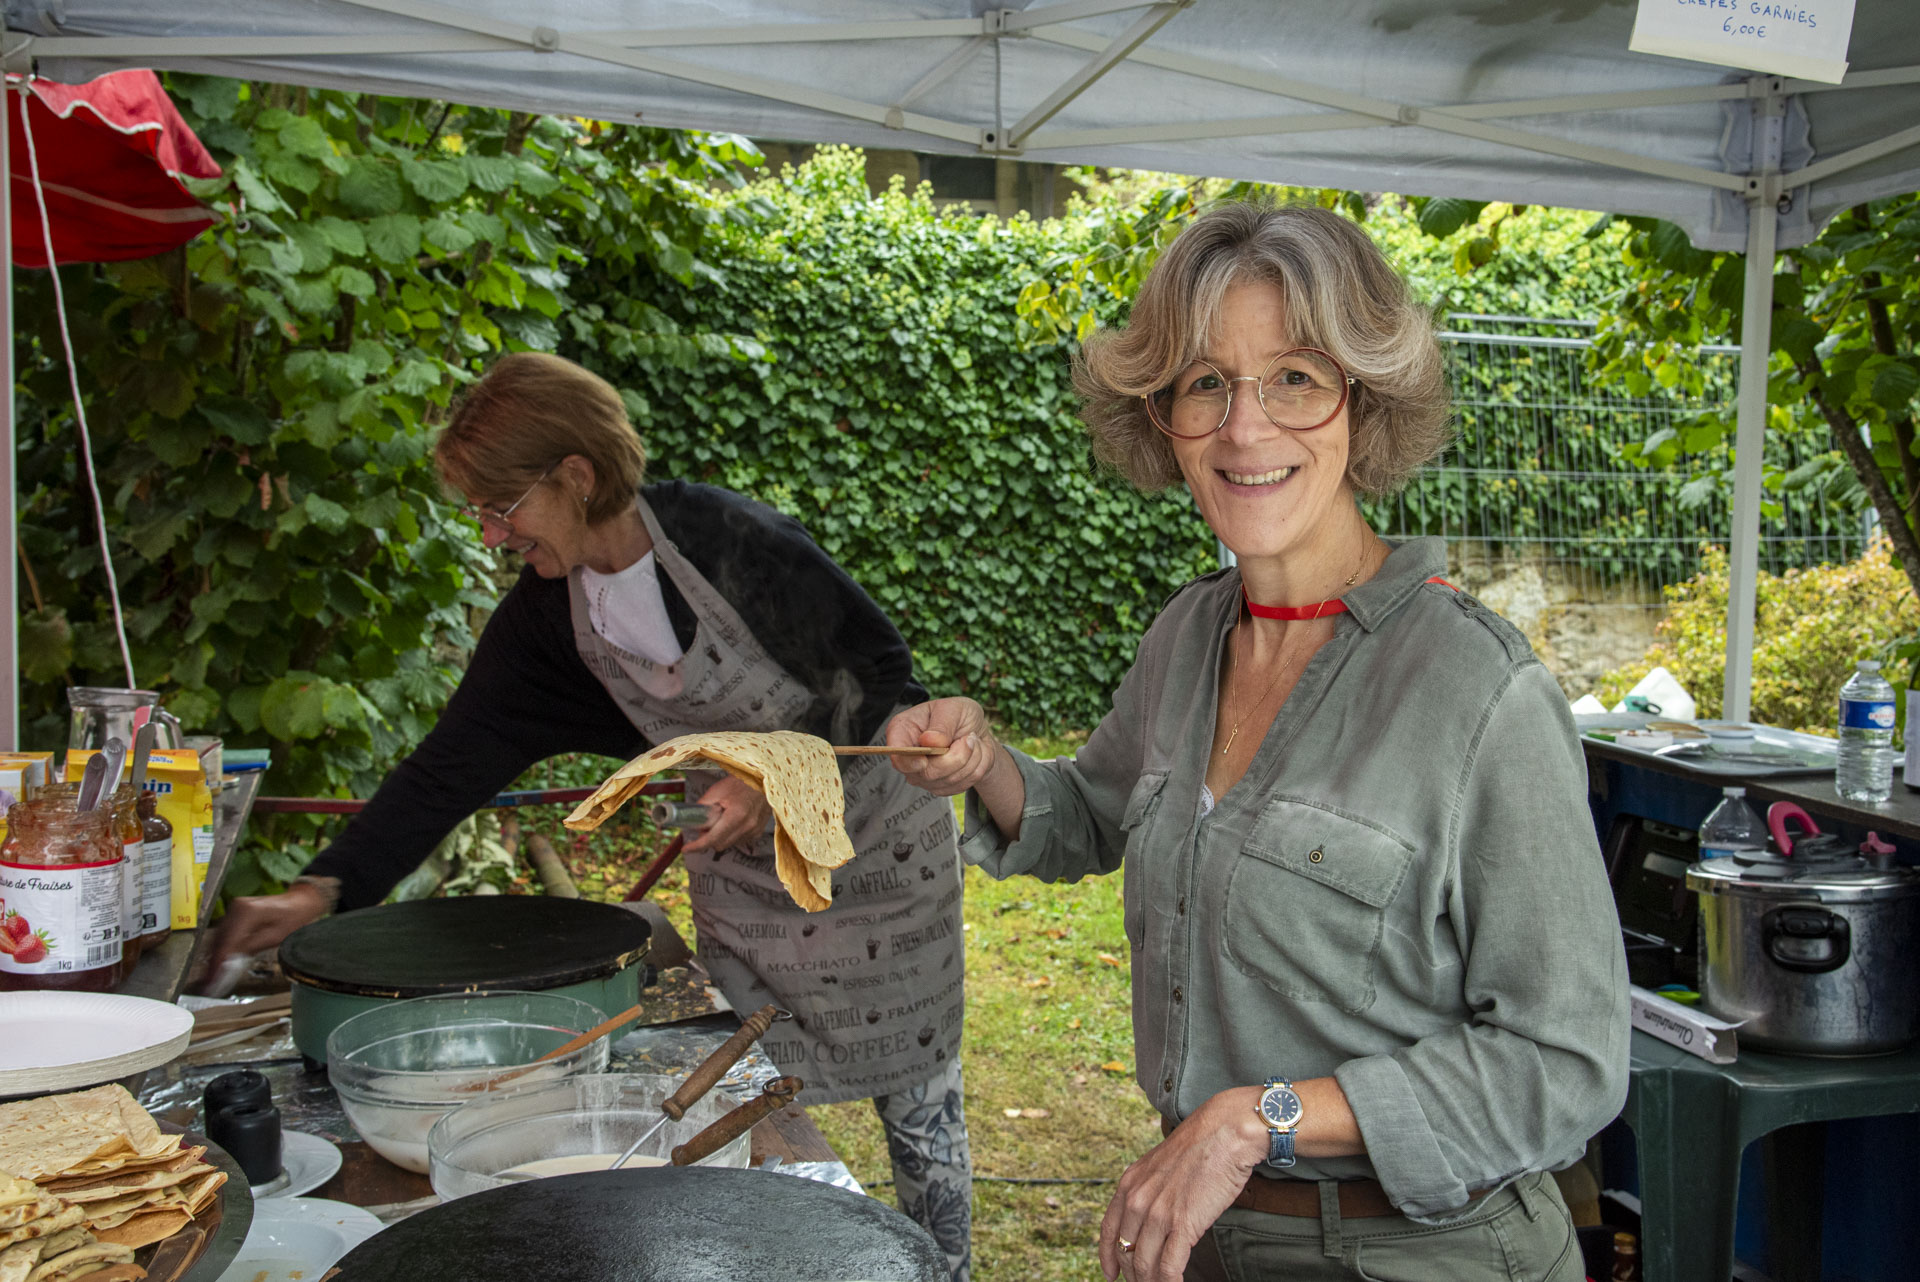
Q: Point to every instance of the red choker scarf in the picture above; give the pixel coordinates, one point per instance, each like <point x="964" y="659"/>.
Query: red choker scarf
<point x="1318" y="610"/>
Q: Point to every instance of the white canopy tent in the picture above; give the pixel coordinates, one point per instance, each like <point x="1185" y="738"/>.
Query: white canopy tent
<point x="1534" y="101"/>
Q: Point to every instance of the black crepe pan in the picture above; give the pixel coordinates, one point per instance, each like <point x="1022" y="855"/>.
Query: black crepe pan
<point x="656" y="1224"/>
<point x="343" y="965"/>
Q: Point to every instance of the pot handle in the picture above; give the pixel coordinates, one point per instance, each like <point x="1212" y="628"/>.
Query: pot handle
<point x="1778" y="814"/>
<point x="1806" y="938"/>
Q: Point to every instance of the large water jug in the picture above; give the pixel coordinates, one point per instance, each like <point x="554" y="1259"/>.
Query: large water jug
<point x="101" y="713"/>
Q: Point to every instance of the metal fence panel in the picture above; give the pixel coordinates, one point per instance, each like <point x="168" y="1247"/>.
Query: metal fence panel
<point x="1537" y="474"/>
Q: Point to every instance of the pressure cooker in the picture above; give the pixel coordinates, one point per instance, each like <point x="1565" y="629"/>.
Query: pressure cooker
<point x="1814" y="954"/>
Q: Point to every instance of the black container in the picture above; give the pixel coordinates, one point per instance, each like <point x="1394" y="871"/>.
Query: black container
<point x="242" y="1089"/>
<point x="251" y="1134"/>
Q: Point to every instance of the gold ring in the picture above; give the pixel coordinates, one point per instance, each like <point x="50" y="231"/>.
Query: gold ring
<point x="1125" y="1245"/>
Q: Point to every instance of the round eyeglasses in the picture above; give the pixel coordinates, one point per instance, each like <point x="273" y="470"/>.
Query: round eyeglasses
<point x="481" y="514"/>
<point x="1299" y="390"/>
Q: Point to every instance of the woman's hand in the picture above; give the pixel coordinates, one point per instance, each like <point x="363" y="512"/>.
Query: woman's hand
<point x="959" y="726"/>
<point x="1171" y="1196"/>
<point x="255" y="923"/>
<point x="973" y="758"/>
<point x="1175" y="1192"/>
<point x="740" y="814"/>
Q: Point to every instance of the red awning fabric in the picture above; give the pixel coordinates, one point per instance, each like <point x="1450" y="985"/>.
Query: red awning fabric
<point x="111" y="154"/>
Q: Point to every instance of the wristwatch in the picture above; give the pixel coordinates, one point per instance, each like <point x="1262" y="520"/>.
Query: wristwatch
<point x="1281" y="1110"/>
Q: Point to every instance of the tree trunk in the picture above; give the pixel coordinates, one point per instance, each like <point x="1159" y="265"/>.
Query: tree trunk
<point x="1847" y="433"/>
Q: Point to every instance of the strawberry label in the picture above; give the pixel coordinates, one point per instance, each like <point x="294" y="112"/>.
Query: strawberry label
<point x="60" y="919"/>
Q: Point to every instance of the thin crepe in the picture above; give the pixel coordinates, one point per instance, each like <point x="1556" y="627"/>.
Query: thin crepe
<point x="66" y="1135"/>
<point x="19" y="1213"/>
<point x="115" y="1183"/>
<point x="146" y="1228"/>
<point x="80" y="1260"/>
<point x="45" y="1226"/>
<point x="799" y="777"/>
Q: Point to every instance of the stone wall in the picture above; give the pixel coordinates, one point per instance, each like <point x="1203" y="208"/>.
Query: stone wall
<point x="1580" y="628"/>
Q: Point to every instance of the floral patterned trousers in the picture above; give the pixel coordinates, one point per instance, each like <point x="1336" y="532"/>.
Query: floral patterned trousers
<point x="926" y="1129"/>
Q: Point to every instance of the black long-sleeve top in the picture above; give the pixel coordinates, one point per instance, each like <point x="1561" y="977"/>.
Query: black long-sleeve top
<point x="527" y="695"/>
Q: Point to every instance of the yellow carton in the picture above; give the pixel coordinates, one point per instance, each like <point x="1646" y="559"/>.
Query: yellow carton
<point x="20" y="774"/>
<point x="184" y="800"/>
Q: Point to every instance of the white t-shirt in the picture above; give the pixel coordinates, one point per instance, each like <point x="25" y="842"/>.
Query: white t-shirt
<point x="627" y="609"/>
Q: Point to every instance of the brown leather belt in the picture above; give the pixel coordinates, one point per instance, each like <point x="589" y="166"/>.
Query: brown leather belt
<point x="1359" y="1199"/>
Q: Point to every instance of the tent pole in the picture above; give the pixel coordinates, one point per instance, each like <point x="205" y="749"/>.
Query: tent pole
<point x="1756" y="347"/>
<point x="9" y="535"/>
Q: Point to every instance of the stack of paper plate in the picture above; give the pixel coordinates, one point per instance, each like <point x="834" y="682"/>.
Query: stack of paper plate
<point x="63" y="1041"/>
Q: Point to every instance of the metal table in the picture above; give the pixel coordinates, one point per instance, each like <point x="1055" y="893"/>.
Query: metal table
<point x="1692" y="1120"/>
<point x="1897" y="817"/>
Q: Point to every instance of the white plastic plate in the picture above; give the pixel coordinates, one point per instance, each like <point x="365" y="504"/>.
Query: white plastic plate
<point x="61" y="1041"/>
<point x="297" y="1239"/>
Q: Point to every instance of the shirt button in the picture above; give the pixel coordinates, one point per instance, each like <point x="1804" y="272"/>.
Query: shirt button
<point x="1167" y="1085"/>
<point x="1181" y="907"/>
<point x="1316" y="856"/>
<point x="1177" y="996"/>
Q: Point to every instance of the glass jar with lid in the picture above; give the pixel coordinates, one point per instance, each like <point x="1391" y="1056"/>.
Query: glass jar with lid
<point x="62" y="905"/>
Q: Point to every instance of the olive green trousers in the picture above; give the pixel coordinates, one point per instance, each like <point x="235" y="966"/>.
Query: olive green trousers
<point x="1522" y="1233"/>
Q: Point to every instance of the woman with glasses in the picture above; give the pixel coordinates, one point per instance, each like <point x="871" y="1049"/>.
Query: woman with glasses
<point x="645" y="612"/>
<point x="1377" y="982"/>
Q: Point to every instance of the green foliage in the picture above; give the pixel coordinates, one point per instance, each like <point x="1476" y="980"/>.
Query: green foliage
<point x="260" y="404"/>
<point x="1812" y="625"/>
<point x="897" y="414"/>
<point x="1458" y="256"/>
<point x="1844" y="360"/>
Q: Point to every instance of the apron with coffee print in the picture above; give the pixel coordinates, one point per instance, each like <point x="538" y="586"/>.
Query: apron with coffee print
<point x="875" y="981"/>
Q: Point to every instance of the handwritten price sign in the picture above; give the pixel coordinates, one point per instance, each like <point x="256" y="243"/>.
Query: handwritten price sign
<point x="1808" y="40"/>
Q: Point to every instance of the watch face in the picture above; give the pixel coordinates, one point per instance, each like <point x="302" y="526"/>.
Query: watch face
<point x="1280" y="1106"/>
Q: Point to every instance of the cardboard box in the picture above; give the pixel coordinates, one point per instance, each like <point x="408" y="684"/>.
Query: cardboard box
<point x="1693" y="1031"/>
<point x="19" y="773"/>
<point x="175" y="777"/>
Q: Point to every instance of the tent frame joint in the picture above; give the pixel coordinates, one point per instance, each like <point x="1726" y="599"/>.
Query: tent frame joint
<point x="1000" y="142"/>
<point x="999" y="23"/>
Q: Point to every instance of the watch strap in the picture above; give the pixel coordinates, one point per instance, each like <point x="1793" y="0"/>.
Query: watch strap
<point x="1279" y="1139"/>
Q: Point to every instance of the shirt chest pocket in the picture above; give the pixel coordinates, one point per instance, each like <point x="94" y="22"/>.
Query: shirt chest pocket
<point x="1306" y="902"/>
<point x="1136" y="825"/>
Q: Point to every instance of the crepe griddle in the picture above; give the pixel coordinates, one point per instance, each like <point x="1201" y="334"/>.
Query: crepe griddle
<point x="658" y="1224"/>
<point x="428" y="946"/>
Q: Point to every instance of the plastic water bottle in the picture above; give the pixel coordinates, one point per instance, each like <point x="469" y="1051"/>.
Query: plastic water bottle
<point x="1731" y="828"/>
<point x="1865" y="770"/>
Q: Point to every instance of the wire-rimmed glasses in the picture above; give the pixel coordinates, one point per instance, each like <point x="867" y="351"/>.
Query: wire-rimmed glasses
<point x="1299" y="390"/>
<point x="482" y="514"/>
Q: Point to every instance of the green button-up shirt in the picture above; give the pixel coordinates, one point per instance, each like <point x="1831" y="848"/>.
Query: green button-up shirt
<point x="1404" y="890"/>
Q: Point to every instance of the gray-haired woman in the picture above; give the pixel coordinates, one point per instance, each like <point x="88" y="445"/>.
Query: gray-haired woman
<point x="1377" y="981"/>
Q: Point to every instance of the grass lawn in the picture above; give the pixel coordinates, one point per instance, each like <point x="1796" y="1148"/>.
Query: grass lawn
<point x="1048" y="1058"/>
<point x="1049" y="1041"/>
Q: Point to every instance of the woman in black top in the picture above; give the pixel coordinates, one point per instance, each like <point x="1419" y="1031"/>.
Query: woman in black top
<point x="645" y="613"/>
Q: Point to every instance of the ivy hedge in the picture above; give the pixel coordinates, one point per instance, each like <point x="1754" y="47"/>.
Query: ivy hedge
<point x="898" y="414"/>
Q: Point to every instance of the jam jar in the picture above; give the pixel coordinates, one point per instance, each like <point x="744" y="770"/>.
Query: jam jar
<point x="62" y="905"/>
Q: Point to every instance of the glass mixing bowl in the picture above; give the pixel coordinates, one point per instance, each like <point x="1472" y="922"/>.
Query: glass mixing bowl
<point x="581" y="1124"/>
<point x="399" y="1067"/>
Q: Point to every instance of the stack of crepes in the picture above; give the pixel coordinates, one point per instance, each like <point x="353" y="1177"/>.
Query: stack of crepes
<point x="799" y="777"/>
<point x="108" y="1164"/>
<point x="43" y="1239"/>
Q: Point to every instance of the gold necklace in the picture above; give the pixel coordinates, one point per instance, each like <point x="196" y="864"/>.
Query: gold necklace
<point x="1233" y="731"/>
